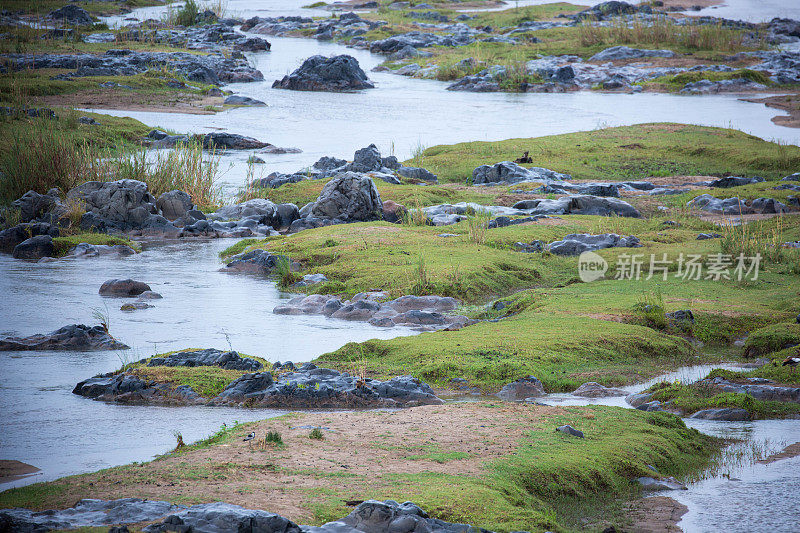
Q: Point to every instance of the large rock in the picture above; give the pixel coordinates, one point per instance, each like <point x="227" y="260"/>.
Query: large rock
<point x="34" y="248"/>
<point x="310" y="386"/>
<point x="577" y="243"/>
<point x="254" y="262"/>
<point x="122" y="204"/>
<point x="11" y="237"/>
<point x="729" y="414"/>
<point x="86" y="250"/>
<point x="174" y="204"/>
<point x="350" y="197"/>
<point x="320" y="73"/>
<point x="33" y="205"/>
<point x="733" y="181"/>
<point x="209" y="357"/>
<point x="219" y="517"/>
<point x="231" y="141"/>
<point x="527" y="387"/>
<point x="366" y="159"/>
<point x="508" y="172"/>
<point x="87" y="513"/>
<point x="74" y="337"/>
<point x="72" y="15"/>
<point x="123" y="288"/>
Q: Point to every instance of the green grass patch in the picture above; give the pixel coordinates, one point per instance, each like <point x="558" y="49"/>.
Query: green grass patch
<point x="63" y="244"/>
<point x="625" y="153"/>
<point x="703" y="395"/>
<point x="772" y="338"/>
<point x="677" y="82"/>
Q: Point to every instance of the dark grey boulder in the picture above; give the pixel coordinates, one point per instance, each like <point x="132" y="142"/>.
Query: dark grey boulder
<point x="76" y="337"/>
<point x="418" y="174"/>
<point x="577" y="243"/>
<point x="174" y="204"/>
<point x="123" y="288"/>
<point x="527" y="387"/>
<point x="254" y="262"/>
<point x="130" y="389"/>
<point x="11" y="237"/>
<point x="219" y="517"/>
<point x="578" y="205"/>
<point x="33" y="205"/>
<point x="569" y="430"/>
<point x="122" y="204"/>
<point x="73" y="15"/>
<point x="728" y="414"/>
<point x="86" y="250"/>
<point x="623" y="52"/>
<point x="244" y="101"/>
<point x="34" y="248"/>
<point x="209" y="357"/>
<point x="365" y="159"/>
<point x="231" y="141"/>
<point x="349" y="197"/>
<point x="320" y="73"/>
<point x="734" y="181"/>
<point x="707" y="236"/>
<point x="728" y="206"/>
<point x="87" y="513"/>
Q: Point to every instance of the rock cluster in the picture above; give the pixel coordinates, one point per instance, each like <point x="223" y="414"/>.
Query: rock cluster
<point x="210" y="69"/>
<point x="507" y="172"/>
<point x="286" y="386"/>
<point x="370" y="516"/>
<point x="320" y="73"/>
<point x="76" y="337"/>
<point x="423" y="312"/>
<point x="737" y="206"/>
<point x="577" y="243"/>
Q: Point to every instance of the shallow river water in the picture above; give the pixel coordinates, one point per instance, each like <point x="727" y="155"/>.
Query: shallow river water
<point x="45" y="425"/>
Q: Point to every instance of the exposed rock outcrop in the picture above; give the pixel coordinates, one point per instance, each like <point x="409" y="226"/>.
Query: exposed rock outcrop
<point x="76" y="337"/>
<point x="320" y="73"/>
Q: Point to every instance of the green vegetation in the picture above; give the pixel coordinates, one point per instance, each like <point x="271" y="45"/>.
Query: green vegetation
<point x="704" y="395"/>
<point x="774" y="370"/>
<point x="532" y="484"/>
<point x="678" y="81"/>
<point x="772" y="338"/>
<point x="63" y="244"/>
<point x="316" y="434"/>
<point x="626" y="153"/>
<point x="40" y="153"/>
<point x="40" y="8"/>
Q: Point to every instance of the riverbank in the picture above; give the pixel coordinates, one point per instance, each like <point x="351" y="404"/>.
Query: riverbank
<point x="501" y="466"/>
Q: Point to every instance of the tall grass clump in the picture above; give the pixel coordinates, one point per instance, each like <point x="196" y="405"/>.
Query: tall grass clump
<point x="478" y="225"/>
<point x="39" y="158"/>
<point x="186" y="167"/>
<point x="662" y="31"/>
<point x="763" y="237"/>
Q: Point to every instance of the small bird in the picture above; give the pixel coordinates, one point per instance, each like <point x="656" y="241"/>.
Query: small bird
<point x="251" y="436"/>
<point x="791" y="361"/>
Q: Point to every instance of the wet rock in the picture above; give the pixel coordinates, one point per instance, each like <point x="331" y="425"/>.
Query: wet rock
<point x="244" y="101"/>
<point x="311" y="279"/>
<point x="76" y="337"/>
<point x="651" y="406"/>
<point x="85" y="250"/>
<point x="34" y="248"/>
<point x="577" y="243"/>
<point x="596" y="390"/>
<point x="349" y="197"/>
<point x="728" y="414"/>
<point x="254" y="262"/>
<point x="231" y="141"/>
<point x="616" y="53"/>
<point x="209" y="357"/>
<point x="174" y="204"/>
<point x="569" y="430"/>
<point x="759" y="391"/>
<point x="527" y="387"/>
<point x="130" y="389"/>
<point x="415" y="39"/>
<point x="320" y="73"/>
<point x="72" y="15"/>
<point x="635" y="400"/>
<point x="508" y="172"/>
<point x="135" y="306"/>
<point x="418" y="174"/>
<point x="88" y="513"/>
<point x="123" y="288"/>
<point x="653" y="484"/>
<point x="734" y="181"/>
<point x="122" y="204"/>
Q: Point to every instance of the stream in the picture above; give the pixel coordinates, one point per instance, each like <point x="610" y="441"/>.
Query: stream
<point x="45" y="425"/>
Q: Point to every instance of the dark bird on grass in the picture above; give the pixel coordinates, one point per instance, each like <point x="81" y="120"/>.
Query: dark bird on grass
<point x="251" y="436"/>
<point x="791" y="361"/>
